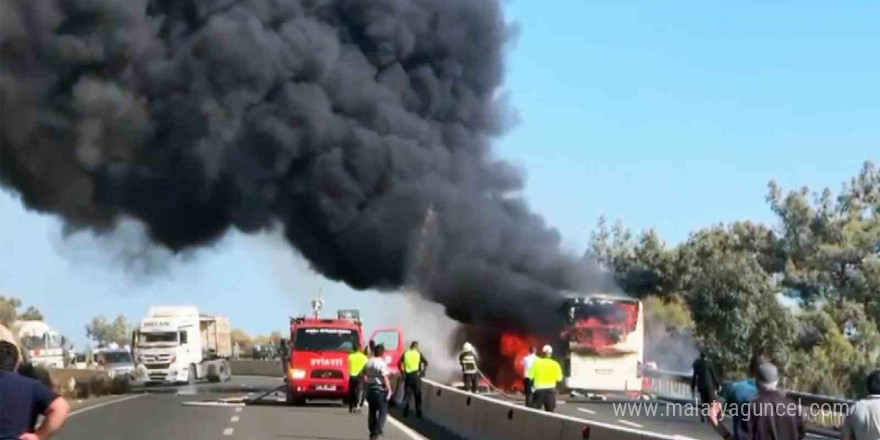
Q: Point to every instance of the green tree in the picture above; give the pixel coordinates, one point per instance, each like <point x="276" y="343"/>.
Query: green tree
<point x="832" y="247"/>
<point x="825" y="253"/>
<point x="732" y="300"/>
<point x="105" y="332"/>
<point x="31" y="314"/>
<point x="244" y="341"/>
<point x="8" y="310"/>
<point x="642" y="266"/>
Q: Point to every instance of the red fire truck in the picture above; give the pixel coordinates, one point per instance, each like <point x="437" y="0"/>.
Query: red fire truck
<point x="317" y="367"/>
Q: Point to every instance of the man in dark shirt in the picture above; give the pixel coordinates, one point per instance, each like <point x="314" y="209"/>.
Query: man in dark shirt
<point x="704" y="382"/>
<point x="773" y="416"/>
<point x="22" y="400"/>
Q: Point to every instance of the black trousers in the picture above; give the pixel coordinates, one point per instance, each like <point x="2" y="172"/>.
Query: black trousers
<point x="470" y="382"/>
<point x="355" y="392"/>
<point x="377" y="398"/>
<point x="527" y="390"/>
<point x="544" y="398"/>
<point x="412" y="386"/>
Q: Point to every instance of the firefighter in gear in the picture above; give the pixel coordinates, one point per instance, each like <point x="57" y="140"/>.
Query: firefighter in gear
<point x="356" y="362"/>
<point x="469" y="371"/>
<point x="545" y="373"/>
<point x="413" y="365"/>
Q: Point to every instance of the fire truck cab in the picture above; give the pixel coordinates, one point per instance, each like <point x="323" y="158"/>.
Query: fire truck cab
<point x="317" y="364"/>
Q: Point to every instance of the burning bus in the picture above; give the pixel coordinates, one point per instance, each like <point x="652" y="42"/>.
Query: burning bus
<point x="600" y="340"/>
<point x="604" y="344"/>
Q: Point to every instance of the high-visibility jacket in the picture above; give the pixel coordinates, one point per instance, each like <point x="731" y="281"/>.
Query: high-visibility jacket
<point x="356" y="363"/>
<point x="412" y="361"/>
<point x="545" y="373"/>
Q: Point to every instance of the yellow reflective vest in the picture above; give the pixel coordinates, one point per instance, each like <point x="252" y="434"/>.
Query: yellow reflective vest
<point x="545" y="373"/>
<point x="356" y="363"/>
<point x="411" y="361"/>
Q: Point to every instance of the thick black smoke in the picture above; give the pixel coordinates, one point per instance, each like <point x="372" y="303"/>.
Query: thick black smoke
<point x="346" y="121"/>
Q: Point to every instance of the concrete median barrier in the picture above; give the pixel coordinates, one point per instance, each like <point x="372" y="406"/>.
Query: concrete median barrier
<point x="478" y="417"/>
<point x="242" y="367"/>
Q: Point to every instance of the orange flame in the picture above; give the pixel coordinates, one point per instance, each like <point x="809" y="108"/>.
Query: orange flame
<point x="513" y="348"/>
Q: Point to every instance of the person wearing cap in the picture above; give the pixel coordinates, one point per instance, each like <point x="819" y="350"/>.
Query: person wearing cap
<point x="772" y="416"/>
<point x="863" y="421"/>
<point x="737" y="396"/>
<point x="545" y="374"/>
<point x="413" y="365"/>
<point x="469" y="371"/>
<point x="528" y="360"/>
<point x="23" y="400"/>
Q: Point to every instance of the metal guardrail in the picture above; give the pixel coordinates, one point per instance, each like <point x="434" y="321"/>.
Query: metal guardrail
<point x="821" y="414"/>
<point x="669" y="384"/>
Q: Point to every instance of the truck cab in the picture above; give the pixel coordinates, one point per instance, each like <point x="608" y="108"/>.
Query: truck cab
<point x="318" y="360"/>
<point x="317" y="364"/>
<point x="175" y="344"/>
<point x="41" y="343"/>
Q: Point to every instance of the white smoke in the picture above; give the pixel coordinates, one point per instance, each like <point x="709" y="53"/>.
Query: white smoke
<point x="424" y="321"/>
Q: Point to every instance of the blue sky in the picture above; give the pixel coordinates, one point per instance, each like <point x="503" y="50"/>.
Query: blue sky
<point x="665" y="114"/>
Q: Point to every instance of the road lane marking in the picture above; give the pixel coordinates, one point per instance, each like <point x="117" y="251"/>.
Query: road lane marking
<point x="679" y="436"/>
<point x="101" y="405"/>
<point x="588" y="411"/>
<point x="215" y="404"/>
<point x="228" y="431"/>
<point x="234" y="419"/>
<point x="238" y="409"/>
<point x="405" y="429"/>
<point x="626" y="422"/>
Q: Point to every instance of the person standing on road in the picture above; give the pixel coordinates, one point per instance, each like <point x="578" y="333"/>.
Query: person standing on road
<point x="545" y="374"/>
<point x="23" y="400"/>
<point x="356" y="362"/>
<point x="863" y="421"/>
<point x="528" y="360"/>
<point x="378" y="391"/>
<point x="736" y="401"/>
<point x="773" y="416"/>
<point x="413" y="364"/>
<point x="469" y="371"/>
<point x="704" y="382"/>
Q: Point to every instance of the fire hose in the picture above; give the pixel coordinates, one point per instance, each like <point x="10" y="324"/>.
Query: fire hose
<point x="494" y="388"/>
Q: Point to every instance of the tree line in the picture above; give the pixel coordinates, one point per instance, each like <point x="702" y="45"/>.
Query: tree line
<point x="823" y="254"/>
<point x="9" y="312"/>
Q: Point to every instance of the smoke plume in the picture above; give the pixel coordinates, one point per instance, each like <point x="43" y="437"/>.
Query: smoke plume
<point x="345" y="121"/>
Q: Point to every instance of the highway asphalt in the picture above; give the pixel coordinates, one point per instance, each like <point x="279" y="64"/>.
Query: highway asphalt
<point x="198" y="413"/>
<point x="164" y="413"/>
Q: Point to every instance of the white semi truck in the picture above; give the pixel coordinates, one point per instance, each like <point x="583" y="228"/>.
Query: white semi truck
<point x="176" y="344"/>
<point x="40" y="343"/>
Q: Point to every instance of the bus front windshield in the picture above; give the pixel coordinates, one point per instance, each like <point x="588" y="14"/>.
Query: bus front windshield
<point x="598" y="325"/>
